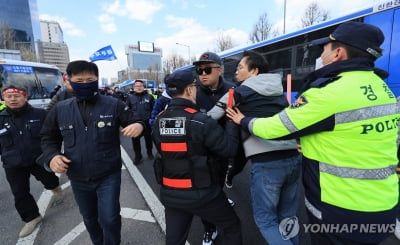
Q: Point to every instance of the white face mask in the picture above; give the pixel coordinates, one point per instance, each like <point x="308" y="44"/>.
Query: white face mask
<point x="318" y="63"/>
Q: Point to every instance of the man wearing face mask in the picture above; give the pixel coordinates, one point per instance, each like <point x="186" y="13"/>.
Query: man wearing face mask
<point x="346" y="117"/>
<point x="88" y="125"/>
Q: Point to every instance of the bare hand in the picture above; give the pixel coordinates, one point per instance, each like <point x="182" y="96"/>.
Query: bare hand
<point x="133" y="130"/>
<point x="234" y="114"/>
<point x="59" y="164"/>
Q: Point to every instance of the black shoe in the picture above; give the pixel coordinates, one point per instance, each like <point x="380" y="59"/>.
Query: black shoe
<point x="138" y="160"/>
<point x="209" y="237"/>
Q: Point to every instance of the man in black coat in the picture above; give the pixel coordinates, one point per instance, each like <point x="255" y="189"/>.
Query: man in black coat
<point x="20" y="125"/>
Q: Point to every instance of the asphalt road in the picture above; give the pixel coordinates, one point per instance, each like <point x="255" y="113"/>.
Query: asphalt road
<point x="142" y="221"/>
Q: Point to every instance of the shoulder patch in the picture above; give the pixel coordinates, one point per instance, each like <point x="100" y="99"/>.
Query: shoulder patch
<point x="299" y="102"/>
<point x="190" y="110"/>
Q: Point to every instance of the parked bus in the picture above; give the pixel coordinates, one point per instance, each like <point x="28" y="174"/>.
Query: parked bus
<point x="38" y="79"/>
<point x="127" y="84"/>
<point x="292" y="53"/>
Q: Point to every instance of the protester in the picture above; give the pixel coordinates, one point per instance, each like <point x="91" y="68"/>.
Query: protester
<point x="346" y="119"/>
<point x="20" y="125"/>
<point x="275" y="169"/>
<point x="159" y="91"/>
<point x="63" y="94"/>
<point x="188" y="142"/>
<point x="212" y="86"/>
<point x="141" y="103"/>
<point x="118" y="94"/>
<point x="161" y="104"/>
<point x="55" y="91"/>
<point x="88" y="126"/>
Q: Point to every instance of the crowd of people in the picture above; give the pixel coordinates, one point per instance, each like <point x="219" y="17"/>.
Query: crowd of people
<point x="339" y="137"/>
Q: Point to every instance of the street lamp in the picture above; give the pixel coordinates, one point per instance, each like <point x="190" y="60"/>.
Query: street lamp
<point x="284" y="16"/>
<point x="187" y="46"/>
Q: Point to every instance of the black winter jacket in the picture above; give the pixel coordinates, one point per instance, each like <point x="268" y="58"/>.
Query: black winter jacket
<point x="141" y="105"/>
<point x="90" y="132"/>
<point x="19" y="136"/>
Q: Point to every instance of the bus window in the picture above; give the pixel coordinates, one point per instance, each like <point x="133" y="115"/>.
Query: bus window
<point x="37" y="78"/>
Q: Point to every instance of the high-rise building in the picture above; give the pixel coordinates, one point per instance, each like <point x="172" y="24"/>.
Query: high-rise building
<point x="22" y="17"/>
<point x="51" y="32"/>
<point x="144" y="61"/>
<point x="52" y="49"/>
<point x="54" y="54"/>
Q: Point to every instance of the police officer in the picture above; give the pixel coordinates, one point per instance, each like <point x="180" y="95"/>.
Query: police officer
<point x="346" y="118"/>
<point x="188" y="142"/>
<point x="89" y="126"/>
<point x="20" y="125"/>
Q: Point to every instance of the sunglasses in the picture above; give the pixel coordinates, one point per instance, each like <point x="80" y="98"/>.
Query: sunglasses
<point x="208" y="70"/>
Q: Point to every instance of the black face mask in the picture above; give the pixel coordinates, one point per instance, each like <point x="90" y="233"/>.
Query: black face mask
<point x="85" y="91"/>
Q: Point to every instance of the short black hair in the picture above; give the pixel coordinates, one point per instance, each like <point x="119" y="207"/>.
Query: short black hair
<point x="81" y="66"/>
<point x="256" y="60"/>
<point x="353" y="52"/>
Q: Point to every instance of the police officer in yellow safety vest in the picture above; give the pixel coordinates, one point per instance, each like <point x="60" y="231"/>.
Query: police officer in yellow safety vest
<point x="346" y="120"/>
<point x="189" y="143"/>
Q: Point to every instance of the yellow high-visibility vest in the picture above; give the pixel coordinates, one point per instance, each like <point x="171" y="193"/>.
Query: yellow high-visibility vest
<point x="358" y="158"/>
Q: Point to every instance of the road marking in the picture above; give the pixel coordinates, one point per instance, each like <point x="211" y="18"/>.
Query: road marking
<point x="151" y="199"/>
<point x="137" y="214"/>
<point x="127" y="213"/>
<point x="42" y="203"/>
<point x="70" y="236"/>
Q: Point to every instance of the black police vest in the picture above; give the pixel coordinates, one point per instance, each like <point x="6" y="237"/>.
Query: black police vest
<point x="94" y="149"/>
<point x="184" y="162"/>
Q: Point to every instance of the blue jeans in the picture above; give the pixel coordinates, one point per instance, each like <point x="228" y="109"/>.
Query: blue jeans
<point x="275" y="194"/>
<point x="99" y="206"/>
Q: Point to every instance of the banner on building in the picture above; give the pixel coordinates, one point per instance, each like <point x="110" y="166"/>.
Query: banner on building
<point x="106" y="53"/>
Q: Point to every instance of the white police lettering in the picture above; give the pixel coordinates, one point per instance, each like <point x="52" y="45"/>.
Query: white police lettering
<point x="172" y="126"/>
<point x="380" y="127"/>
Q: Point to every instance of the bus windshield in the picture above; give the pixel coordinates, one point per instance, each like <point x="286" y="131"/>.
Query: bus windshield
<point x="39" y="80"/>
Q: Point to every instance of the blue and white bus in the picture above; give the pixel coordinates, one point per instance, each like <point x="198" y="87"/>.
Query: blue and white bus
<point x="291" y="54"/>
<point x="38" y="79"/>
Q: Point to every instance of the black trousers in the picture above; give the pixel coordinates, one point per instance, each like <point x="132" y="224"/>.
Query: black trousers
<point x="218" y="211"/>
<point x="18" y="178"/>
<point x="147" y="138"/>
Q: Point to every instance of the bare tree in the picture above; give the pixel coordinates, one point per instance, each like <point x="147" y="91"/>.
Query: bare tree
<point x="7" y="36"/>
<point x="314" y="14"/>
<point x="173" y="62"/>
<point x="224" y="41"/>
<point x="261" y="29"/>
<point x="27" y="54"/>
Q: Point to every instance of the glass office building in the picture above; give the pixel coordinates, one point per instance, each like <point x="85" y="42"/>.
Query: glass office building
<point x="21" y="16"/>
